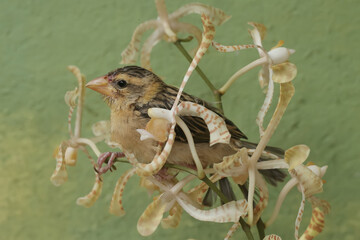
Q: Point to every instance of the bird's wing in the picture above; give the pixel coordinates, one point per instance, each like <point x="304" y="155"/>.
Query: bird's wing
<point x="165" y="99"/>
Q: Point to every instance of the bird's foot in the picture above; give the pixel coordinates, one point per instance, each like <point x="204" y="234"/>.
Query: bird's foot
<point x="109" y="158"/>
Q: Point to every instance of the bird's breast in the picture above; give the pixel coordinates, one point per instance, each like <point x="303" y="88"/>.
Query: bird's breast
<point x="123" y="131"/>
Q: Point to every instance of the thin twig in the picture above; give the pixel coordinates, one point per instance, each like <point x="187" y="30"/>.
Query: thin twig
<point x="260" y="225"/>
<point x="246" y="228"/>
<point x="215" y="189"/>
<point x="181" y="168"/>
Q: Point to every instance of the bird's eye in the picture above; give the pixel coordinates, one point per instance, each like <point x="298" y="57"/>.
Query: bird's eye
<point x="122" y="83"/>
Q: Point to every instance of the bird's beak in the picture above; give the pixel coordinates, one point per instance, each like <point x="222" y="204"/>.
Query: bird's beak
<point x="100" y="85"/>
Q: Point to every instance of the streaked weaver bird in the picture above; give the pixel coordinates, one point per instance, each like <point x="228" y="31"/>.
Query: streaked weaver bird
<point x="130" y="91"/>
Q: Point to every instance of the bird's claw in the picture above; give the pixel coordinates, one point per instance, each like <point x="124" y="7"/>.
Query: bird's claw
<point x="102" y="159"/>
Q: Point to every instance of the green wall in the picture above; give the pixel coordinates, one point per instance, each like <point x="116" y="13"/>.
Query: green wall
<point x="38" y="39"/>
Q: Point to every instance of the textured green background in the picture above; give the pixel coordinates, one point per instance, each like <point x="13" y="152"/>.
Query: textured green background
<point x="38" y="39"/>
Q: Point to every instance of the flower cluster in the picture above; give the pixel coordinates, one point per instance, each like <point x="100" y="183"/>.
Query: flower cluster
<point x="243" y="167"/>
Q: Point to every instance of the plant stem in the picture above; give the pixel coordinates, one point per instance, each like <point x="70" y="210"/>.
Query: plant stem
<point x="260" y="225"/>
<point x="245" y="227"/>
<point x="215" y="189"/>
<point x="215" y="91"/>
<point x="181" y="168"/>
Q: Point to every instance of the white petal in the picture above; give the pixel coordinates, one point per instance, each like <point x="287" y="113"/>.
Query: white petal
<point x="151" y="217"/>
<point x="145" y="134"/>
<point x="284" y="72"/>
<point x="296" y="155"/>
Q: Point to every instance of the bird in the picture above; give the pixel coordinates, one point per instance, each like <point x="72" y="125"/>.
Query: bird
<point x="131" y="90"/>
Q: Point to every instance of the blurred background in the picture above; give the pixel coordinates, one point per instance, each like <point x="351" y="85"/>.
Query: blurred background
<point x="39" y="39"/>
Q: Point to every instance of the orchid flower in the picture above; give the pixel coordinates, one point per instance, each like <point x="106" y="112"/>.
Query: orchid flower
<point x="165" y="27"/>
<point x="307" y="178"/>
<point x="275" y="67"/>
<point x="276" y="59"/>
<point x="239" y="167"/>
<point x="66" y="153"/>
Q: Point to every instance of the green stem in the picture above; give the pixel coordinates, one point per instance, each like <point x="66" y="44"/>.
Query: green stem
<point x="245" y="227"/>
<point x="215" y="189"/>
<point x="260" y="225"/>
<point x="181" y="168"/>
<point x="215" y="91"/>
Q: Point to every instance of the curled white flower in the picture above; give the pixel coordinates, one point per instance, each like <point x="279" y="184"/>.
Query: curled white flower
<point x="306" y="178"/>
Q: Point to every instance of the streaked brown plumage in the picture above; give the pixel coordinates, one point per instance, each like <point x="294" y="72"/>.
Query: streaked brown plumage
<point x="130" y="91"/>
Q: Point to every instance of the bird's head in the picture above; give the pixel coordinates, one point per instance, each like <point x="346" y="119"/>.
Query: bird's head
<point x="127" y="86"/>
